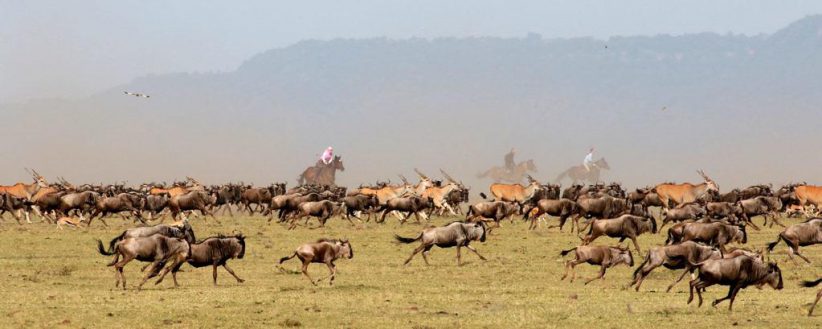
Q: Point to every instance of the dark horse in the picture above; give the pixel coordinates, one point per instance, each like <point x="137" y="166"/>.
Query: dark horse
<point x="580" y="174"/>
<point x="321" y="174"/>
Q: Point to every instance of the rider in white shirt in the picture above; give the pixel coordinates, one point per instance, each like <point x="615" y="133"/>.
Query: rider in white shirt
<point x="589" y="160"/>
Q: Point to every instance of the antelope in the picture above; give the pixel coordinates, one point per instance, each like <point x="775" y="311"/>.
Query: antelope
<point x="515" y="192"/>
<point x="26" y="191"/>
<point x="685" y="193"/>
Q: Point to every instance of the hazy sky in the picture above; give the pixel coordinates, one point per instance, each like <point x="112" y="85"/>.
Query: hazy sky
<point x="75" y="48"/>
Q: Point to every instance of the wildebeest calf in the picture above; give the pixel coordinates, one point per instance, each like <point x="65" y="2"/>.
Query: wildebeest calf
<point x="604" y="256"/>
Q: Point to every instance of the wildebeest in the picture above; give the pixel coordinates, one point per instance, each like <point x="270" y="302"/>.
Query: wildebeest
<point x="493" y="210"/>
<point x="172" y="231"/>
<point x="678" y="256"/>
<point x="292" y="203"/>
<point x="454" y="234"/>
<point x="323" y="210"/>
<point x="562" y="208"/>
<point x="714" y="233"/>
<point x="738" y="273"/>
<point x="684" y="193"/>
<point x="155" y="204"/>
<point x="78" y="201"/>
<point x="324" y="251"/>
<point x="194" y="200"/>
<point x="720" y="210"/>
<point x="360" y="202"/>
<point x="260" y="197"/>
<point x="157" y="249"/>
<point x="116" y="204"/>
<point x="800" y="235"/>
<point x="411" y="205"/>
<point x="216" y="251"/>
<point x="761" y="205"/>
<point x="809" y="284"/>
<point x="681" y="213"/>
<point x="623" y="227"/>
<point x="605" y="206"/>
<point x="604" y="256"/>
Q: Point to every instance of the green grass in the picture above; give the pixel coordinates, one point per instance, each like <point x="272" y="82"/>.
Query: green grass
<point x="57" y="279"/>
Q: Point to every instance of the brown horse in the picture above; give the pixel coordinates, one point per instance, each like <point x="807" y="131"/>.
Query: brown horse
<point x="580" y="174"/>
<point x="321" y="174"/>
<point x="501" y="174"/>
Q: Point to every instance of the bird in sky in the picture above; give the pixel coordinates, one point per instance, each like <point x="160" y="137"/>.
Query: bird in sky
<point x="136" y="94"/>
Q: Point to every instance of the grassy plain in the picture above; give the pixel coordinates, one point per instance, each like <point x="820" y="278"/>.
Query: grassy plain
<point x="57" y="279"/>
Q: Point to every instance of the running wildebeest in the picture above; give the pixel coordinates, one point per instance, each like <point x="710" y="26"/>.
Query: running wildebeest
<point x="681" y="213"/>
<point x="562" y="208"/>
<point x="116" y="204"/>
<point x="800" y="235"/>
<point x="194" y="200"/>
<point x="324" y="251"/>
<point x="714" y="233"/>
<point x="604" y="256"/>
<point x="623" y="227"/>
<point x="454" y="234"/>
<point x="493" y="210"/>
<point x="809" y="284"/>
<point x="171" y="231"/>
<point x="323" y="210"/>
<point x="216" y="251"/>
<point x="411" y="205"/>
<point x="674" y="257"/>
<point x="360" y="202"/>
<point x="157" y="249"/>
<point x="738" y="273"/>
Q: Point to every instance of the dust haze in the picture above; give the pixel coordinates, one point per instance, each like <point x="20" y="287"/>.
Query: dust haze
<point x="743" y="108"/>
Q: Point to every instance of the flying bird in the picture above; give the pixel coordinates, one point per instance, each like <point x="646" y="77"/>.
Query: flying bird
<point x="136" y="94"/>
<point x="664" y="108"/>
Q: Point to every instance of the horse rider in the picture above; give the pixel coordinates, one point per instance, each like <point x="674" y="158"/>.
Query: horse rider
<point x="588" y="162"/>
<point x="327" y="156"/>
<point x="509" y="160"/>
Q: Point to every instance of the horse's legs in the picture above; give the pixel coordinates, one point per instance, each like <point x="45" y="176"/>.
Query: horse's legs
<point x="232" y="273"/>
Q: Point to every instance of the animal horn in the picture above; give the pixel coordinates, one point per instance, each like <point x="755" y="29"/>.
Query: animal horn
<point x="448" y="176"/>
<point x="404" y="180"/>
<point x="421" y="174"/>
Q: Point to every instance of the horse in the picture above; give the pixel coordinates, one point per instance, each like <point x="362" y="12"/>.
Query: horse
<point x="321" y="174"/>
<point x="580" y="174"/>
<point x="502" y="174"/>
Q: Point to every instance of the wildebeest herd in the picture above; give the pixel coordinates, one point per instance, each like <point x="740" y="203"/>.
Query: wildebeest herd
<point x="703" y="222"/>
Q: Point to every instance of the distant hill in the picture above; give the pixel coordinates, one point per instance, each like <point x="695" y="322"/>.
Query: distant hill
<point x="744" y="108"/>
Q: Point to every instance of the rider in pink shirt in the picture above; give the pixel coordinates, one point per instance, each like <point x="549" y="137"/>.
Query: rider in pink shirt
<point x="328" y="155"/>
